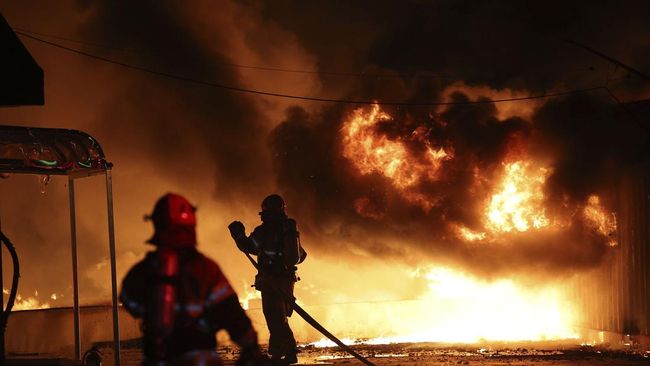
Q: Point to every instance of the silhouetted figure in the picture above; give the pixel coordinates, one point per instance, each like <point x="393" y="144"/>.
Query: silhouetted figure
<point x="276" y="243"/>
<point x="182" y="296"/>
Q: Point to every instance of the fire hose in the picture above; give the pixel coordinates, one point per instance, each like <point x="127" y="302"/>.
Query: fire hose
<point x="14" y="286"/>
<point x="311" y="321"/>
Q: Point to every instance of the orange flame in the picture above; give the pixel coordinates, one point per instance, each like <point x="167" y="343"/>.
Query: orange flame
<point x="462" y="309"/>
<point x="468" y="234"/>
<point x="374" y="153"/>
<point x="519" y="203"/>
<point x="602" y="221"/>
<point x="31" y="302"/>
<point x="248" y="293"/>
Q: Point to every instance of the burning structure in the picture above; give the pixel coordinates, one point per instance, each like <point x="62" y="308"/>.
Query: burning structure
<point x="490" y="189"/>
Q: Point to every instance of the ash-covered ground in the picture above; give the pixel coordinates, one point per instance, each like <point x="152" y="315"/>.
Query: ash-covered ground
<point x="538" y="354"/>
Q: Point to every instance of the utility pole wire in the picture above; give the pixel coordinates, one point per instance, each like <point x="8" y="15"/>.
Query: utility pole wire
<point x="235" y="65"/>
<point x="608" y="58"/>
<point x="399" y="75"/>
<point x="301" y="97"/>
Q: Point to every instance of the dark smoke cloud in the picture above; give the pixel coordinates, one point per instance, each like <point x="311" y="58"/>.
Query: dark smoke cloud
<point x="496" y="44"/>
<point x="161" y="134"/>
<point x="589" y="142"/>
<point x="178" y="115"/>
<point x="589" y="155"/>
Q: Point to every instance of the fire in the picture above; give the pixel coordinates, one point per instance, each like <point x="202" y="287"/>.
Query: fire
<point x="375" y="153"/>
<point x="248" y="293"/>
<point x="460" y="308"/>
<point x="516" y="205"/>
<point x="469" y="234"/>
<point x="31" y="302"/>
<point x="604" y="222"/>
<point x="519" y="203"/>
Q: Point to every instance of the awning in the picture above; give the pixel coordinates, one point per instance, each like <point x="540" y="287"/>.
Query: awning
<point x="50" y="151"/>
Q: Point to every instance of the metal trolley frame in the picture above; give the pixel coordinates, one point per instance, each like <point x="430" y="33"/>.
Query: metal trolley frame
<point x="75" y="154"/>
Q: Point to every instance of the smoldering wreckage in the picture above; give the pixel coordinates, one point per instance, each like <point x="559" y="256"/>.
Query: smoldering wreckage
<point x="491" y="219"/>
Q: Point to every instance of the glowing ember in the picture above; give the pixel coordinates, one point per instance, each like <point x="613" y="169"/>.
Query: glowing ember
<point x="519" y="203"/>
<point x="462" y="309"/>
<point x="604" y="222"/>
<point x="374" y="153"/>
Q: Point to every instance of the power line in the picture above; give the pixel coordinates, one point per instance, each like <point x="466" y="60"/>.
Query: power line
<point x="84" y="43"/>
<point x="398" y="75"/>
<point x="299" y="97"/>
<point x="240" y="66"/>
<point x="608" y="58"/>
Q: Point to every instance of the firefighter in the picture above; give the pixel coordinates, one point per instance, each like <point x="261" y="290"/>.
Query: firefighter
<point x="182" y="296"/>
<point x="276" y="243"/>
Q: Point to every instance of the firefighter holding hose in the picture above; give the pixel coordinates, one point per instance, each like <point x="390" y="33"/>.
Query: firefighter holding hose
<point x="276" y="243"/>
<point x="183" y="297"/>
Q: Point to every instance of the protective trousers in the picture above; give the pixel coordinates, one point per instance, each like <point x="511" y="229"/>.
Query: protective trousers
<point x="276" y="310"/>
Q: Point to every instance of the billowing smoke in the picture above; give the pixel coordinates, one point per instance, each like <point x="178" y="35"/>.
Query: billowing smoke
<point x="161" y="134"/>
<point x="582" y="139"/>
<point x="226" y="150"/>
<point x="585" y="141"/>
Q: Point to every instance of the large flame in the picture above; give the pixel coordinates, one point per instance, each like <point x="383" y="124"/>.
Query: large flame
<point x="375" y="153"/>
<point x="519" y="203"/>
<point x="460" y="308"/>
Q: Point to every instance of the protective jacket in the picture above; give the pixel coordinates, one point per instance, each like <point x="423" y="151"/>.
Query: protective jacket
<point x="184" y="299"/>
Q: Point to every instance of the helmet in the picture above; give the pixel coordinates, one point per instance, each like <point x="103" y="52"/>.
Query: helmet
<point x="272" y="208"/>
<point x="174" y="222"/>
<point x="273" y="203"/>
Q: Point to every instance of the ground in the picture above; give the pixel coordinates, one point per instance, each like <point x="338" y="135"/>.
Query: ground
<point x="430" y="354"/>
<point x="484" y="355"/>
<point x="420" y="354"/>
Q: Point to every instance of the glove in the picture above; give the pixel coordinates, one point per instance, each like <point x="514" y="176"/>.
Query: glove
<point x="237" y="230"/>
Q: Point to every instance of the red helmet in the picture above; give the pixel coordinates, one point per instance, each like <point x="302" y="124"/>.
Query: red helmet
<point x="174" y="221"/>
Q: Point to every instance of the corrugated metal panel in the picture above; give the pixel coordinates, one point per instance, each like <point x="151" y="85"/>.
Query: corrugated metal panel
<point x="615" y="297"/>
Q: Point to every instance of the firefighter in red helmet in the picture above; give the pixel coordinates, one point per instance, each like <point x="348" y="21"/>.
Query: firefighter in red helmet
<point x="276" y="243"/>
<point x="182" y="296"/>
